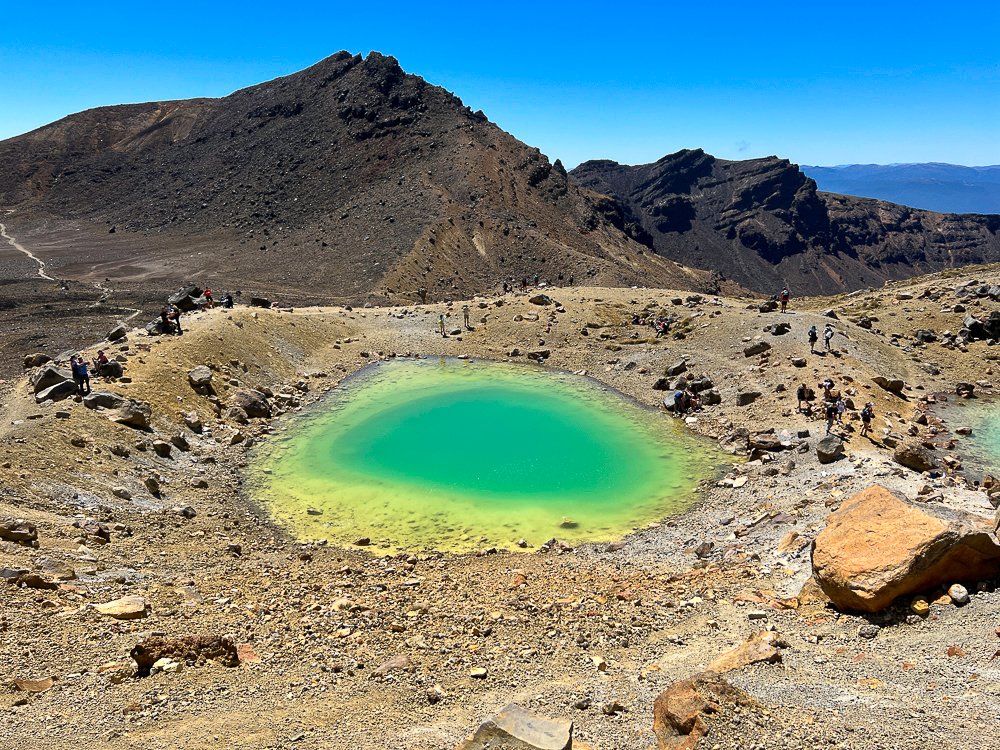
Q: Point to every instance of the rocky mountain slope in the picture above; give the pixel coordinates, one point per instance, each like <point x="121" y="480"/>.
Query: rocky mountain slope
<point x="349" y="180"/>
<point x="763" y="223"/>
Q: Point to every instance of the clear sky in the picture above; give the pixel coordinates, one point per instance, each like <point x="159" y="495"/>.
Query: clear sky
<point x="819" y="83"/>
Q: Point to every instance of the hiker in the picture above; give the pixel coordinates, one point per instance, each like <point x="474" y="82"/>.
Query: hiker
<point x="841" y="408"/>
<point x="441" y="326"/>
<point x="227" y="302"/>
<point x="165" y="324"/>
<point x="828" y="335"/>
<point x="80" y="375"/>
<point x="827" y="386"/>
<point x="99" y="361"/>
<point x="813" y="338"/>
<point x="783" y="298"/>
<point x="422" y="293"/>
<point x="831" y="414"/>
<point x="866" y="418"/>
<point x="175" y="316"/>
<point x="465" y="317"/>
<point x="535" y="280"/>
<point x="524" y="283"/>
<point x="802" y="396"/>
<point x="209" y="301"/>
<point x="678" y="403"/>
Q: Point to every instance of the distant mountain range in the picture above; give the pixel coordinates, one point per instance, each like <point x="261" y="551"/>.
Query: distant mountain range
<point x="948" y="188"/>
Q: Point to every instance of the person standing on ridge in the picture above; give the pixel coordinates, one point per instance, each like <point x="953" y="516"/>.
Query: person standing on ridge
<point x="465" y="317"/>
<point x="783" y="298"/>
<point x="828" y="335"/>
<point x="813" y="338"/>
<point x="441" y="326"/>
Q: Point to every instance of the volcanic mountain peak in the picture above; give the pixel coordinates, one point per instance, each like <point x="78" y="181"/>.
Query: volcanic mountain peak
<point x="345" y="180"/>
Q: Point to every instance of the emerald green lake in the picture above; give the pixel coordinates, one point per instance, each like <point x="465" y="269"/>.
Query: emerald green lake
<point x="457" y="455"/>
<point x="980" y="450"/>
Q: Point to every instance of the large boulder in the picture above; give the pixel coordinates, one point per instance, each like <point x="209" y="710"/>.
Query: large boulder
<point x="200" y="377"/>
<point x="879" y="546"/>
<point x="186" y="298"/>
<point x="57" y="392"/>
<point x="48" y="377"/>
<point x="540" y="299"/>
<point x="117" y="333"/>
<point x="18" y="530"/>
<point x="515" y="728"/>
<point x="254" y="403"/>
<point x="893" y="385"/>
<point x="134" y="414"/>
<point x="759" y="348"/>
<point x="36" y="360"/>
<point x="914" y="455"/>
<point x="682" y="712"/>
<point x="111" y="369"/>
<point x="830" y="449"/>
<point x="103" y="400"/>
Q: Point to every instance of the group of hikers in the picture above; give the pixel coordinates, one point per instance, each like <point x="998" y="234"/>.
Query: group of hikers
<point x="814" y="337"/>
<point x="659" y="324"/>
<point x="507" y="286"/>
<point x="170" y="315"/>
<point x="834" y="406"/>
<point x="81" y="370"/>
<point x="685" y="402"/>
<point x="466" y="321"/>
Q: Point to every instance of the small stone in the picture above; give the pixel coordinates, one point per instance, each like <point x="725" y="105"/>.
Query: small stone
<point x="868" y="631"/>
<point x="478" y="673"/>
<point x="919" y="606"/>
<point x="959" y="594"/>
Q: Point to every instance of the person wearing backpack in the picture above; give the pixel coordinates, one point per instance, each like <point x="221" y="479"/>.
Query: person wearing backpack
<point x="867" y="414"/>
<point x="813" y="338"/>
<point x="783" y="298"/>
<point x="828" y="335"/>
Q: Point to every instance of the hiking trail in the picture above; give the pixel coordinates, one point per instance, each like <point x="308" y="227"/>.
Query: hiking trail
<point x="21" y="248"/>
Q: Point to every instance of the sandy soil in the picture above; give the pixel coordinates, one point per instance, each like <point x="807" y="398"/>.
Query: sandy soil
<point x="563" y="633"/>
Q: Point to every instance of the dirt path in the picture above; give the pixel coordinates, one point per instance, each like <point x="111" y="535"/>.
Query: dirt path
<point x="22" y="249"/>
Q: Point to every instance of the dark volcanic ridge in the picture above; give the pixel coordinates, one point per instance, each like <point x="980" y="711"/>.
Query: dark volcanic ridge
<point x="764" y="224"/>
<point x="349" y="180"/>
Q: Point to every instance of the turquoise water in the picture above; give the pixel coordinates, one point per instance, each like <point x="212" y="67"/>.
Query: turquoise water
<point x="981" y="449"/>
<point x="457" y="455"/>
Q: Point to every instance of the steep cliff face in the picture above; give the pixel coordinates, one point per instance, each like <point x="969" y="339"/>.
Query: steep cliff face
<point x="350" y="179"/>
<point x="763" y="223"/>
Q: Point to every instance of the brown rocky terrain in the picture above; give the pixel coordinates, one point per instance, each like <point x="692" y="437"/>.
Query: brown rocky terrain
<point x="349" y="181"/>
<point x="764" y="224"/>
<point x="141" y="550"/>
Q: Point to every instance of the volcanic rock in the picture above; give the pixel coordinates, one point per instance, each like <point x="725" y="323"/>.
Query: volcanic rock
<point x="103" y="400"/>
<point x="134" y="414"/>
<point x="254" y="403"/>
<point x="878" y="546"/>
<point x="57" y="392"/>
<point x="48" y="377"/>
<point x="190" y="650"/>
<point x="18" y="530"/>
<point x="829" y="449"/>
<point x="126" y="608"/>
<point x="515" y="728"/>
<point x="914" y="455"/>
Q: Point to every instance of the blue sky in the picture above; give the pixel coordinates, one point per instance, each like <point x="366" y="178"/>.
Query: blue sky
<point x="816" y="83"/>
